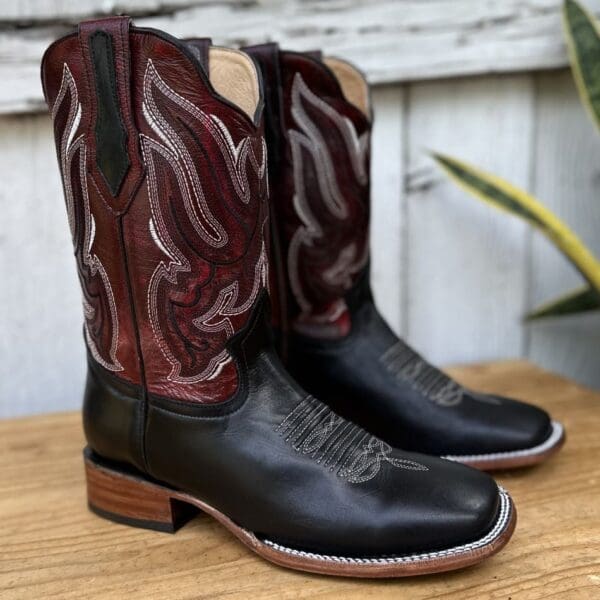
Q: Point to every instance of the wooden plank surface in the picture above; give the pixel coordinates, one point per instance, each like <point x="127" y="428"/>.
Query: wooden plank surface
<point x="390" y="40"/>
<point x="466" y="262"/>
<point x="52" y="547"/>
<point x="565" y="178"/>
<point x="41" y="316"/>
<point x="388" y="206"/>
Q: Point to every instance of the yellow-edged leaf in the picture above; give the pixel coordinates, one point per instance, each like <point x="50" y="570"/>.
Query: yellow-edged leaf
<point x="583" y="42"/>
<point x="580" y="300"/>
<point x="506" y="196"/>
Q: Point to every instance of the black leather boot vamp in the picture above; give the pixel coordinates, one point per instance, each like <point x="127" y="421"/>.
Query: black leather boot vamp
<point x="332" y="337"/>
<point x="376" y="379"/>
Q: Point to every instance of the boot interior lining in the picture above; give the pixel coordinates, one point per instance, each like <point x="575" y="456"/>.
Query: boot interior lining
<point x="233" y="75"/>
<point x="352" y="82"/>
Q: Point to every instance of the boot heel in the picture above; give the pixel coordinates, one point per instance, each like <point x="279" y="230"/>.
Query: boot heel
<point x="132" y="500"/>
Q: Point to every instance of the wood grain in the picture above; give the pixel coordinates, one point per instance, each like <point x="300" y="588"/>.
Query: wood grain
<point x="388" y="206"/>
<point x="466" y="262"/>
<point x="566" y="139"/>
<point x="42" y="348"/>
<point x="52" y="547"/>
<point x="391" y="40"/>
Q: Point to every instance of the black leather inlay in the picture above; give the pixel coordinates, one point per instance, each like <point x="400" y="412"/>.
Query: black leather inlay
<point x="111" y="137"/>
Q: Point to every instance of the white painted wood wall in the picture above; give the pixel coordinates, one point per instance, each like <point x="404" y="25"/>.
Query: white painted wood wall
<point x="452" y="275"/>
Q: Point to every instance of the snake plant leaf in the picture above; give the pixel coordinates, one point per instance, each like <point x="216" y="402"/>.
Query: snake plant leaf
<point x="506" y="196"/>
<point x="583" y="43"/>
<point x="580" y="300"/>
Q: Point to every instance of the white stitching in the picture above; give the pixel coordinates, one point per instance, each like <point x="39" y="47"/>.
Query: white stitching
<point x="350" y="259"/>
<point x="501" y="524"/>
<point x="311" y="428"/>
<point x="68" y="147"/>
<point x="557" y="432"/>
<point x="405" y="364"/>
<point x="174" y="151"/>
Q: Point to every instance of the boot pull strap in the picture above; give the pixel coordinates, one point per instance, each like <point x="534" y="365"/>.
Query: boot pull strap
<point x="200" y="49"/>
<point x="114" y="161"/>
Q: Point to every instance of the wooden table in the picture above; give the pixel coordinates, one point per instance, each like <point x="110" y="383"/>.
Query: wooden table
<point x="52" y="547"/>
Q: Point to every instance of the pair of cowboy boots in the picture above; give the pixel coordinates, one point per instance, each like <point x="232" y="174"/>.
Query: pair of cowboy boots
<point x="197" y="178"/>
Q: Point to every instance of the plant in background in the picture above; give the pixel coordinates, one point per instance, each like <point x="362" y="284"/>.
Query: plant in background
<point x="583" y="40"/>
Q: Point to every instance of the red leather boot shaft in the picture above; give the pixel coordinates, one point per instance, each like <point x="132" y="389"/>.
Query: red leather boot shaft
<point x="165" y="185"/>
<point x="319" y="188"/>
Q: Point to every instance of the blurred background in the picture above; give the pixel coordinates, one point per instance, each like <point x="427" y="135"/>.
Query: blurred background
<point x="485" y="81"/>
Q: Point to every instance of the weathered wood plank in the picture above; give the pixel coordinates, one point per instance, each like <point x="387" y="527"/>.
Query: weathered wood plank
<point x="43" y="355"/>
<point x="466" y="272"/>
<point x="388" y="201"/>
<point x="36" y="11"/>
<point x="53" y="547"/>
<point x="391" y="41"/>
<point x="567" y="168"/>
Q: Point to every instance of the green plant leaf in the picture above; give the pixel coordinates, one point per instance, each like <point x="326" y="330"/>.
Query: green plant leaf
<point x="580" y="300"/>
<point x="583" y="43"/>
<point x="506" y="196"/>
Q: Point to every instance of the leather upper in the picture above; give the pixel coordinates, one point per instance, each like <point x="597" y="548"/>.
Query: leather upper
<point x="184" y="385"/>
<point x="320" y="188"/>
<point x="377" y="380"/>
<point x="284" y="466"/>
<point x="165" y="184"/>
<point x="337" y="344"/>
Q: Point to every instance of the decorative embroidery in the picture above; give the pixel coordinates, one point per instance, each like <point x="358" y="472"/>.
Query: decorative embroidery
<point x="407" y="365"/>
<point x="94" y="301"/>
<point x="356" y="456"/>
<point x="172" y="149"/>
<point x="309" y="139"/>
<point x="218" y="318"/>
<point x="365" y="463"/>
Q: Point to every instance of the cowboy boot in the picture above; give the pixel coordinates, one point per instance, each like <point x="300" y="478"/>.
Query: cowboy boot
<point x="339" y="347"/>
<point x="186" y="405"/>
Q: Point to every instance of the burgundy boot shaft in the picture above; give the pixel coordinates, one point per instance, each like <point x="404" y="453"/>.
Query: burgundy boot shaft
<point x="165" y="185"/>
<point x="337" y="344"/>
<point x="319" y="150"/>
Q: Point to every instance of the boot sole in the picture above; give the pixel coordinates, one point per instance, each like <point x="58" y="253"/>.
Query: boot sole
<point x="517" y="458"/>
<point x="133" y="500"/>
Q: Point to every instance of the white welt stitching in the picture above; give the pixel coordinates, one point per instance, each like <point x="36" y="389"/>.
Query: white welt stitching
<point x="497" y="530"/>
<point x="557" y="432"/>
